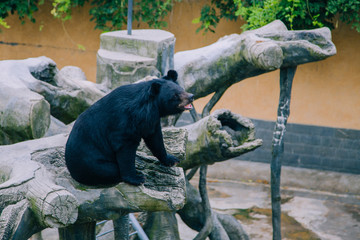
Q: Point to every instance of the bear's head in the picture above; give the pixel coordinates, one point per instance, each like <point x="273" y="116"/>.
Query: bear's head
<point x="171" y="98"/>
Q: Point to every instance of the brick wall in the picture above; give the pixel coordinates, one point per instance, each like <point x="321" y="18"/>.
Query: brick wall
<point x="313" y="147"/>
<point x="306" y="146"/>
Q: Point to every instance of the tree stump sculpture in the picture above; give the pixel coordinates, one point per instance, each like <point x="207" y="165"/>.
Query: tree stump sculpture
<point x="218" y="137"/>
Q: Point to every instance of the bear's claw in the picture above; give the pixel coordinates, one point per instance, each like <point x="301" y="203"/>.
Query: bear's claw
<point x="170" y="161"/>
<point x="135" y="180"/>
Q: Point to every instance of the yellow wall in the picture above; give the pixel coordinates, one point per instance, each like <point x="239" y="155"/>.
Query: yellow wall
<point x="56" y="40"/>
<point x="325" y="93"/>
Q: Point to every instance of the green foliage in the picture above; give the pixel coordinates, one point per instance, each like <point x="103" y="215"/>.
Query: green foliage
<point x="259" y="14"/>
<point x="62" y="8"/>
<point x="107" y="14"/>
<point x="208" y="19"/>
<point x="296" y="14"/>
<point x="23" y="8"/>
<point x="307" y="14"/>
<point x="152" y="12"/>
<point x="112" y="14"/>
<point x="211" y="14"/>
<point x="348" y="10"/>
<point x="293" y="9"/>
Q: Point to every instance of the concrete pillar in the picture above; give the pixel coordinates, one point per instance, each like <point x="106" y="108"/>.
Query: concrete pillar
<point x="124" y="59"/>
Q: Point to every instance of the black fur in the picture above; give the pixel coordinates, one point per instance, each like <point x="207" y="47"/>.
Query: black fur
<point x="171" y="75"/>
<point x="102" y="145"/>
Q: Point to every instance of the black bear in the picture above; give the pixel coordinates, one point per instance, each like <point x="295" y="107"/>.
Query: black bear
<point x="102" y="145"/>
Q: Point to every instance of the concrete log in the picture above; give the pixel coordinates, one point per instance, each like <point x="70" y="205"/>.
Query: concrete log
<point x="68" y="91"/>
<point x="32" y="89"/>
<point x="23" y="113"/>
<point x="219" y="137"/>
<point x="236" y="57"/>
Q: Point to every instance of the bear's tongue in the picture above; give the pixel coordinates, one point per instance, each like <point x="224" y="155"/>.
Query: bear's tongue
<point x="188" y="107"/>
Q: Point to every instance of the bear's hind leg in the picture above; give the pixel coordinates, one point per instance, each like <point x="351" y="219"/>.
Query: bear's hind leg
<point x="99" y="173"/>
<point x="126" y="163"/>
<point x="107" y="173"/>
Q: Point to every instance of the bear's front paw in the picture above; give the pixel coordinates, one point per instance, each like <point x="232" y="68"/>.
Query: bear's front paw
<point x="135" y="180"/>
<point x="170" y="161"/>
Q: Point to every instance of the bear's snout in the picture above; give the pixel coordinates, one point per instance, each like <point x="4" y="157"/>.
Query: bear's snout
<point x="191" y="97"/>
<point x="187" y="97"/>
<point x="186" y="100"/>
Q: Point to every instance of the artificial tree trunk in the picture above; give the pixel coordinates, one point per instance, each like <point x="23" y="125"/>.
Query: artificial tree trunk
<point x="236" y="57"/>
<point x="286" y="79"/>
<point x="218" y="137"/>
<point x="193" y="214"/>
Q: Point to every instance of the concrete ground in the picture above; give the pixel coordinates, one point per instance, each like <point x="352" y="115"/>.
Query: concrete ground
<point x="315" y="204"/>
<point x="306" y="215"/>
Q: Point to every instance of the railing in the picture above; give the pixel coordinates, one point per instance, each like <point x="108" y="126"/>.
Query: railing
<point x="134" y="223"/>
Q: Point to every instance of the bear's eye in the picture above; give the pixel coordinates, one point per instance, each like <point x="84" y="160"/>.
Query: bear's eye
<point x="175" y="97"/>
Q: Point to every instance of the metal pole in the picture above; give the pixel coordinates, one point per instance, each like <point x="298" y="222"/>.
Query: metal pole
<point x="137" y="227"/>
<point x="129" y="19"/>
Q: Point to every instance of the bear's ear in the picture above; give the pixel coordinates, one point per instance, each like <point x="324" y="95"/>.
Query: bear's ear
<point x="155" y="88"/>
<point x="171" y="75"/>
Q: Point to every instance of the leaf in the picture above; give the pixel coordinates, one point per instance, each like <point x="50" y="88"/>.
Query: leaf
<point x="196" y="20"/>
<point x="81" y="47"/>
<point x="4" y="24"/>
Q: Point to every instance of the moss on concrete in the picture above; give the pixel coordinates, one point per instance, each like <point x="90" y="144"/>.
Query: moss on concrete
<point x="291" y="229"/>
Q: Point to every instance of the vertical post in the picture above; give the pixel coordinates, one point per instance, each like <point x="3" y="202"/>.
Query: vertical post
<point x="121" y="228"/>
<point x="286" y="79"/>
<point x="78" y="231"/>
<point x="129" y="16"/>
<point x="209" y="224"/>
